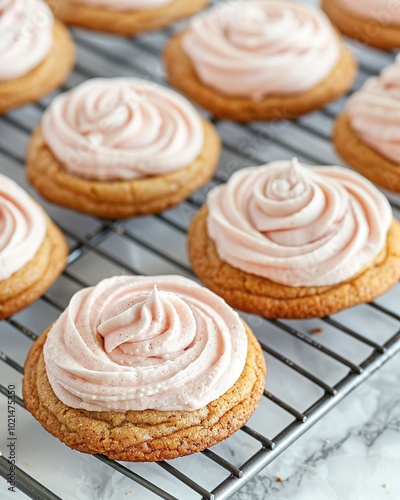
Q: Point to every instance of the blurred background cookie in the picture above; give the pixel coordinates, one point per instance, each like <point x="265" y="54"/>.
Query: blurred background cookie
<point x="125" y="17"/>
<point x="36" y="52"/>
<point x="373" y="22"/>
<point x="32" y="249"/>
<point x="367" y="133"/>
<point x="260" y="60"/>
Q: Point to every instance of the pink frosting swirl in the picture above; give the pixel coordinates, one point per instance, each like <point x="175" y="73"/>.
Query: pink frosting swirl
<point x="298" y="226"/>
<point x="257" y="48"/>
<point x="383" y="11"/>
<point x="126" y="4"/>
<point x="136" y="343"/>
<point x="122" y="128"/>
<point x="23" y="227"/>
<point x="26" y="36"/>
<point x="374" y="112"/>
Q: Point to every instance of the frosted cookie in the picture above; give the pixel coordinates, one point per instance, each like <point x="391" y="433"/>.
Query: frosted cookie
<point x="373" y="22"/>
<point x="144" y="369"/>
<point x="260" y="60"/>
<point x="36" y="52"/>
<point x="284" y="240"/>
<point x="32" y="249"/>
<point x="125" y="17"/>
<point x="367" y="134"/>
<point x="121" y="147"/>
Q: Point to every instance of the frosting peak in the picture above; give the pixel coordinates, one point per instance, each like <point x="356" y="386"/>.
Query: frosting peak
<point x="136" y="343"/>
<point x="23" y="227"/>
<point x="156" y="324"/>
<point x="122" y="128"/>
<point x="298" y="226"/>
<point x="26" y="36"/>
<point x="374" y="112"/>
<point x="257" y="48"/>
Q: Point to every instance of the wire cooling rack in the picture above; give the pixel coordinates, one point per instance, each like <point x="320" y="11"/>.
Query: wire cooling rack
<point x="308" y="374"/>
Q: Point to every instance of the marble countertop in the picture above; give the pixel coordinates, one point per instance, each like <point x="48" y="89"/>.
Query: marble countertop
<point x="353" y="453"/>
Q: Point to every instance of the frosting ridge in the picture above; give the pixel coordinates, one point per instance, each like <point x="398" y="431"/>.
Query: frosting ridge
<point x="258" y="48"/>
<point x="374" y="112"/>
<point x="26" y="36"/>
<point x="298" y="226"/>
<point x="136" y="343"/>
<point x="23" y="227"/>
<point x="122" y="128"/>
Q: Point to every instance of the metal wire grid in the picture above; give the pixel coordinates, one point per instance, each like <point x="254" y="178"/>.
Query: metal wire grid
<point x="309" y="139"/>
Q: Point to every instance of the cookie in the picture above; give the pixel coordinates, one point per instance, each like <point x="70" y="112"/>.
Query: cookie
<point x="376" y="23"/>
<point x="149" y="434"/>
<point x="135" y="179"/>
<point x="33" y="251"/>
<point x="373" y="273"/>
<point x="124" y="22"/>
<point x="367" y="133"/>
<point x="31" y="282"/>
<point x="363" y="158"/>
<point x="238" y="83"/>
<point x="256" y="295"/>
<point x="33" y="68"/>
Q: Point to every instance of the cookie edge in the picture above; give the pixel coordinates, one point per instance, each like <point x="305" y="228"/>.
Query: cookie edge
<point x="355" y="27"/>
<point x="125" y="22"/>
<point x="50" y="74"/>
<point x="363" y="158"/>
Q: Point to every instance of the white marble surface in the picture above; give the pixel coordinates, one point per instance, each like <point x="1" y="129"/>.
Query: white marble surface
<point x="351" y="454"/>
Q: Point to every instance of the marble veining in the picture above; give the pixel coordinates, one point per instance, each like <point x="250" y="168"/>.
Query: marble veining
<point x="351" y="454"/>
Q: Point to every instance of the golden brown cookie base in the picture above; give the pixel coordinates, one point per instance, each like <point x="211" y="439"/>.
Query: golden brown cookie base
<point x="363" y="158"/>
<point x="119" y="198"/>
<point x="46" y="77"/>
<point x="29" y="283"/>
<point x="144" y="436"/>
<point x="261" y="296"/>
<point x="125" y="22"/>
<point x="182" y="75"/>
<point x="373" y="33"/>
